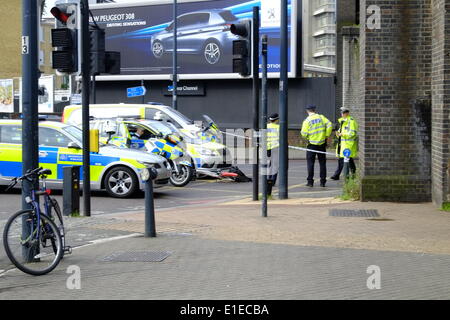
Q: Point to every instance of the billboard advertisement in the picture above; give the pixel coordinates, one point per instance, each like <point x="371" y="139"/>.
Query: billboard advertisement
<point x="143" y="33"/>
<point x="6" y="95"/>
<point x="46" y="95"/>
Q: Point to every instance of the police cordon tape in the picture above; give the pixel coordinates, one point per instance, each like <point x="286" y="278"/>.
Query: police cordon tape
<point x="291" y="147"/>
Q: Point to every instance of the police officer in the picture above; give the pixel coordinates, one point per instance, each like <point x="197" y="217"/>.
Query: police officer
<point x="316" y="129"/>
<point x="347" y="139"/>
<point x="273" y="143"/>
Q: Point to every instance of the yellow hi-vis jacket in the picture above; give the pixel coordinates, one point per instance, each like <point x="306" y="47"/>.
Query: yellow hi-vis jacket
<point x="316" y="129"/>
<point x="273" y="136"/>
<point x="349" y="130"/>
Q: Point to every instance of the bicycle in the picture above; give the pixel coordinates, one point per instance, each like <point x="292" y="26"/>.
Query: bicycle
<point x="34" y="241"/>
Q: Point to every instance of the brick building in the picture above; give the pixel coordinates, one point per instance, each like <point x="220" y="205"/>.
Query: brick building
<point x="398" y="74"/>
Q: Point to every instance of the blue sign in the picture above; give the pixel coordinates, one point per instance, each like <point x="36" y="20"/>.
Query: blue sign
<point x="347" y="153"/>
<point x="136" y="92"/>
<point x="170" y="88"/>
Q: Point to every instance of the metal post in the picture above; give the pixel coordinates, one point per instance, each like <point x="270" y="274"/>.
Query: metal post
<point x="94" y="90"/>
<point x="346" y="167"/>
<point x="284" y="161"/>
<point x="143" y="96"/>
<point x="264" y="125"/>
<point x="85" y="69"/>
<point x="150" y="226"/>
<point x="255" y="68"/>
<point x="30" y="76"/>
<point x="175" y="57"/>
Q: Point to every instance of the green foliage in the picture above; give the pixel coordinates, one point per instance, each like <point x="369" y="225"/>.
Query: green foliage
<point x="446" y="206"/>
<point x="75" y="214"/>
<point x="351" y="190"/>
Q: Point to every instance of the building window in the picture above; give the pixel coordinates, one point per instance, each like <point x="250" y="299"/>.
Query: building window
<point x="321" y="3"/>
<point x="325" y="41"/>
<point x="326" y="19"/>
<point x="327" y="61"/>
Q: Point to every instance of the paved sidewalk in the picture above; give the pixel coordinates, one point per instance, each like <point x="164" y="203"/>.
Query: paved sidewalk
<point x="227" y="251"/>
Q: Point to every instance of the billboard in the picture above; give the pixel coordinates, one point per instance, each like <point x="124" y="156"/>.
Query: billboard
<point x="6" y="95"/>
<point x="46" y="94"/>
<point x="143" y="33"/>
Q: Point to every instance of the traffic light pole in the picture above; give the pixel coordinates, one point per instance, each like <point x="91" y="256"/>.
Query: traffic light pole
<point x="284" y="162"/>
<point x="255" y="68"/>
<point x="175" y="57"/>
<point x="264" y="125"/>
<point x="30" y="78"/>
<point x="85" y="70"/>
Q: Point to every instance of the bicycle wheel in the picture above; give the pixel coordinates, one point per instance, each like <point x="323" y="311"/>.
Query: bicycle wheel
<point x="55" y="208"/>
<point x="58" y="220"/>
<point x="40" y="251"/>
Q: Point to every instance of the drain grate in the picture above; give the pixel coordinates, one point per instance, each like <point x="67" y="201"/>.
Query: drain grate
<point x="142" y="256"/>
<point x="353" y="213"/>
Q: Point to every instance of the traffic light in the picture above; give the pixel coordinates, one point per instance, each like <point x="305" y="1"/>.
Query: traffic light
<point x="102" y="61"/>
<point x="97" y="51"/>
<point x="65" y="38"/>
<point x="242" y="48"/>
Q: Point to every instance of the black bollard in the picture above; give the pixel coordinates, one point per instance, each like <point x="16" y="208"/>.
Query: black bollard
<point x="147" y="176"/>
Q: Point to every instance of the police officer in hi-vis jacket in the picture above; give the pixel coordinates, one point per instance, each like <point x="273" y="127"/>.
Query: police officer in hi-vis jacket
<point x="316" y="129"/>
<point x="348" y="139"/>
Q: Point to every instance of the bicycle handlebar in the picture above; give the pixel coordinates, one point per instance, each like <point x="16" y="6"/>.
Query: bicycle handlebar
<point x="30" y="175"/>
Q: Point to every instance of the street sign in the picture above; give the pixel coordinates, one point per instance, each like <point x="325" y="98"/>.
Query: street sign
<point x="136" y="92"/>
<point x="75" y="98"/>
<point x="347" y="153"/>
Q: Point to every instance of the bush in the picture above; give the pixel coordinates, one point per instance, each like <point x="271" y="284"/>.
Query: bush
<point x="351" y="187"/>
<point x="446" y="206"/>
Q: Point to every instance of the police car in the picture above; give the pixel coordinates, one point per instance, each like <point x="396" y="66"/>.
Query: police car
<point x="113" y="169"/>
<point x="203" y="154"/>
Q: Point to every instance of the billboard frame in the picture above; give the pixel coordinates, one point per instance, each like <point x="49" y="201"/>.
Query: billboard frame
<point x="206" y="76"/>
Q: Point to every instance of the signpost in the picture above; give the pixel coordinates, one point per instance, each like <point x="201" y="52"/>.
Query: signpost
<point x="347" y="154"/>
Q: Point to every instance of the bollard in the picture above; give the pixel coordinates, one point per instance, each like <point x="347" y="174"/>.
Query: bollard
<point x="71" y="190"/>
<point x="147" y="176"/>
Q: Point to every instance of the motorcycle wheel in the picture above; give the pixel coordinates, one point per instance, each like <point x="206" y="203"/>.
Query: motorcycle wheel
<point x="181" y="178"/>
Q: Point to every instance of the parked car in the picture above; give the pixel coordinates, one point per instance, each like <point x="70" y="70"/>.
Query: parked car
<point x="204" y="33"/>
<point x="113" y="169"/>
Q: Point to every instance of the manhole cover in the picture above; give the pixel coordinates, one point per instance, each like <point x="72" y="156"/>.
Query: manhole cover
<point x="143" y="256"/>
<point x="353" y="213"/>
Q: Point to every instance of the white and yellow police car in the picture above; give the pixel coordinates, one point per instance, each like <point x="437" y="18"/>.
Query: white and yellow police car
<point x="113" y="169"/>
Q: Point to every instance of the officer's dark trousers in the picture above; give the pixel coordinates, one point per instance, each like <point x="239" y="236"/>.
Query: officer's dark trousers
<point x="340" y="167"/>
<point x="311" y="159"/>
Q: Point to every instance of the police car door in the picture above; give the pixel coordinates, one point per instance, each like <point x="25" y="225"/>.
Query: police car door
<point x="54" y="152"/>
<point x="10" y="152"/>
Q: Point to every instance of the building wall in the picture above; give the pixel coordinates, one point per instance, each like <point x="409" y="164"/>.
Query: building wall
<point x="440" y="101"/>
<point x="348" y="81"/>
<point x="345" y="17"/>
<point x="10" y="35"/>
<point x="395" y="62"/>
<point x="319" y="36"/>
<point x="229" y="102"/>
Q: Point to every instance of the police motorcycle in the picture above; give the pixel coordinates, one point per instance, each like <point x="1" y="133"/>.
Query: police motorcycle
<point x="209" y="137"/>
<point x="168" y="146"/>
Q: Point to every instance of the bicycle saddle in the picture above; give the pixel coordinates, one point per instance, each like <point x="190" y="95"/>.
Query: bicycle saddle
<point x="45" y="172"/>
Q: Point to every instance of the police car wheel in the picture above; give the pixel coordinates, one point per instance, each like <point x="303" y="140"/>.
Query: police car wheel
<point x="121" y="182"/>
<point x="182" y="178"/>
